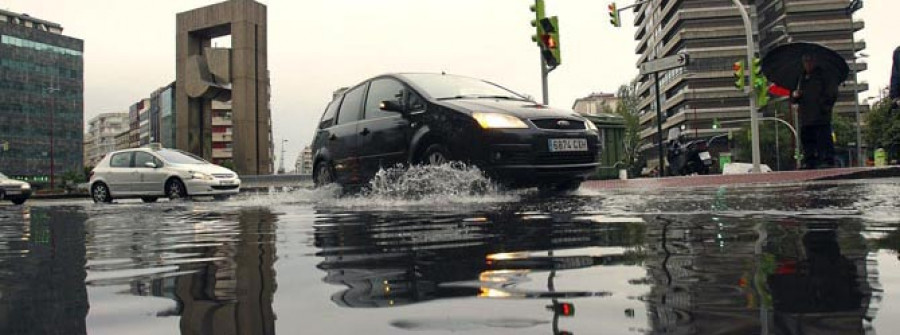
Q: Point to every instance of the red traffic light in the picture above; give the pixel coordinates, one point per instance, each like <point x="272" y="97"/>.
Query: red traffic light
<point x="737" y="66"/>
<point x="563" y="308"/>
<point x="548" y="41"/>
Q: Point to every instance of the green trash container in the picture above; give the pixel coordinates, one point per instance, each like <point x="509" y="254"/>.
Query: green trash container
<point x="612" y="141"/>
<point x="880" y="157"/>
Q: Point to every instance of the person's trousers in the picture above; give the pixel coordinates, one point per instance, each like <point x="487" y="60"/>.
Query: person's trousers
<point x="818" y="146"/>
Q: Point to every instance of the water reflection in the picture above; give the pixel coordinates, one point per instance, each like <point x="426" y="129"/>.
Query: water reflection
<point x="770" y="276"/>
<point x="42" y="258"/>
<point x="231" y="292"/>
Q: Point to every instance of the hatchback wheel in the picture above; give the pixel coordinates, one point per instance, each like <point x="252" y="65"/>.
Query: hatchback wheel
<point x="175" y="189"/>
<point x="324" y="174"/>
<point x="100" y="193"/>
<point x="435" y="154"/>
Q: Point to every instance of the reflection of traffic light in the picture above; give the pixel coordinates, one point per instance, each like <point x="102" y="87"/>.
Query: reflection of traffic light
<point x="562" y="308"/>
<point x="740" y="80"/>
<point x="550" y="40"/>
<point x="614" y="15"/>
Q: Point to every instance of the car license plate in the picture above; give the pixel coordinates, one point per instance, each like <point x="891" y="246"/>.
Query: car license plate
<point x="568" y="144"/>
<point x="226" y="182"/>
<point x="704" y="156"/>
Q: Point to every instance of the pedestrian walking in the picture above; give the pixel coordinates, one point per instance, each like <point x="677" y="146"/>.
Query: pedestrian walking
<point x="895" y="80"/>
<point x="815" y="96"/>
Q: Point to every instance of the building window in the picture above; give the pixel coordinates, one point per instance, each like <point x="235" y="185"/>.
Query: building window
<point x="24" y="43"/>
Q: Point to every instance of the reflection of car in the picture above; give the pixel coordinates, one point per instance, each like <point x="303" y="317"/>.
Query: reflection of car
<point x="433" y="118"/>
<point x="152" y="173"/>
<point x="14" y="190"/>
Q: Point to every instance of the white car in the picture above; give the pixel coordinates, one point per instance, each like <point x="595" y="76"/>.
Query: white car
<point x="151" y="173"/>
<point x="14" y="190"/>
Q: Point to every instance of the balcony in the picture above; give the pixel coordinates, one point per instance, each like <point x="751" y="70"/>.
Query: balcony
<point x="222" y="153"/>
<point x="221" y="121"/>
<point x="222" y="137"/>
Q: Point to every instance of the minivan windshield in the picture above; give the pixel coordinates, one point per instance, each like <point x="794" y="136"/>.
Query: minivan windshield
<point x="180" y="157"/>
<point x="443" y="87"/>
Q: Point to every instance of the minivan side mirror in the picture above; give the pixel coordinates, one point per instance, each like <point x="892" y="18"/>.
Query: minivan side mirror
<point x="392" y="106"/>
<point x="151" y="165"/>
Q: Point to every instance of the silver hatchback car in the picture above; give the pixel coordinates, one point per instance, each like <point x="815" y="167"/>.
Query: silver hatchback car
<point x="151" y="173"/>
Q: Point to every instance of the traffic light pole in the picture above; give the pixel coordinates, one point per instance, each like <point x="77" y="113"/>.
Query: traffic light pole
<point x="754" y="118"/>
<point x="544" y="89"/>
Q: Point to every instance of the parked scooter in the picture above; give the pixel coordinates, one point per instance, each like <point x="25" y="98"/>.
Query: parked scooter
<point x="687" y="158"/>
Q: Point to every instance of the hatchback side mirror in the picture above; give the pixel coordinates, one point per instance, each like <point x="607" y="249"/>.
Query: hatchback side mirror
<point x="392" y="106"/>
<point x="150" y="165"/>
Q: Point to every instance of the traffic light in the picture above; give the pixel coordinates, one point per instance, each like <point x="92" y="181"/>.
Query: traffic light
<point x="614" y="15"/>
<point x="538" y="9"/>
<point x="740" y="80"/>
<point x="760" y="83"/>
<point x="550" y="41"/>
<point x="716" y="124"/>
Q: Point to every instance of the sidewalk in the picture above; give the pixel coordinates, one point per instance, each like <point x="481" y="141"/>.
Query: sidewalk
<point x="784" y="177"/>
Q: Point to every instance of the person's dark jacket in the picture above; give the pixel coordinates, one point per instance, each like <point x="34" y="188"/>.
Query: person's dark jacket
<point x="895" y="75"/>
<point x="817" y="97"/>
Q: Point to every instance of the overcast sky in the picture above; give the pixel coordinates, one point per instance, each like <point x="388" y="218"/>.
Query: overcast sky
<point x="316" y="46"/>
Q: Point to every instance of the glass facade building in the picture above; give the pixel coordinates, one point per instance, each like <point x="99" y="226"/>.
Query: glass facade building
<point x="41" y="99"/>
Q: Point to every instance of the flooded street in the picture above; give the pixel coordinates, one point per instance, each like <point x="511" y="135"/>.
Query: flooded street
<point x="819" y="258"/>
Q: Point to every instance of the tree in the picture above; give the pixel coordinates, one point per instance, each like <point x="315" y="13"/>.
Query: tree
<point x="883" y="128"/>
<point x="628" y="110"/>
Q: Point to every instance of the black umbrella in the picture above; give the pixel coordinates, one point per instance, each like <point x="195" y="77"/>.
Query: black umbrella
<point x="784" y="64"/>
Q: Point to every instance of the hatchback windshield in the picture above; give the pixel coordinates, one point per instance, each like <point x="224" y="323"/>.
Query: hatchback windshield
<point x="443" y="87"/>
<point x="180" y="157"/>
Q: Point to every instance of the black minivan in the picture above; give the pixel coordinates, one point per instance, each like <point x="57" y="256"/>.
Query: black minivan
<point x="435" y="118"/>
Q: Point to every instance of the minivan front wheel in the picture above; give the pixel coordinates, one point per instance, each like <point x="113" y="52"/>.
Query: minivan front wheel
<point x="435" y="154"/>
<point x="324" y="174"/>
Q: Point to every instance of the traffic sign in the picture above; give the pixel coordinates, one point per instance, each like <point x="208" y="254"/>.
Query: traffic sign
<point x="663" y="64"/>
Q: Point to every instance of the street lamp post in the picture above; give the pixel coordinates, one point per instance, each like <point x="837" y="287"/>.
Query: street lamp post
<point x="754" y="119"/>
<point x="852" y="8"/>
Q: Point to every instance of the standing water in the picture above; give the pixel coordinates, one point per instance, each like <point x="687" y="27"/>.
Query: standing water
<point x="817" y="258"/>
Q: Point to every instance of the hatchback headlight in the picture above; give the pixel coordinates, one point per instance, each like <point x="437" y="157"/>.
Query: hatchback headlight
<point x="202" y="176"/>
<point x="498" y="121"/>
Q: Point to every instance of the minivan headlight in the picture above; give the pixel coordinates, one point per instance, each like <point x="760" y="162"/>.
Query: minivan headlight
<point x="590" y="125"/>
<point x="498" y="121"/>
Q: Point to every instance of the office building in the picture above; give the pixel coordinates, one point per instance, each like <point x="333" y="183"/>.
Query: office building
<point x="712" y="33"/>
<point x="304" y="164"/>
<point x="41" y="99"/>
<point x="100" y="138"/>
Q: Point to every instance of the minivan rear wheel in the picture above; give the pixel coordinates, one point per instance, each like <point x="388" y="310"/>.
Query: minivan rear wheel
<point x="324" y="174"/>
<point x="435" y="154"/>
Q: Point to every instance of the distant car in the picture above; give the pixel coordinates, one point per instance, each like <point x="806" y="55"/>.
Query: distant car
<point x="149" y="174"/>
<point x="435" y="118"/>
<point x="14" y="190"/>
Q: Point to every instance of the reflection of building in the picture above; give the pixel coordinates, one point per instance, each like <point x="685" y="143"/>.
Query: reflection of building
<point x="594" y="104"/>
<point x="303" y="166"/>
<point x="231" y="294"/>
<point x="207" y="76"/>
<point x="43" y="289"/>
<point x="41" y="98"/>
<point x="734" y="276"/>
<point x="100" y="138"/>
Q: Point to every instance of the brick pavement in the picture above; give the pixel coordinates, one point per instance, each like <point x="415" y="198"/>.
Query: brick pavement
<point x="784" y="177"/>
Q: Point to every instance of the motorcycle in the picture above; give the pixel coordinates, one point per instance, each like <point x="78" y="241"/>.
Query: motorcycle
<point x="687" y="158"/>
